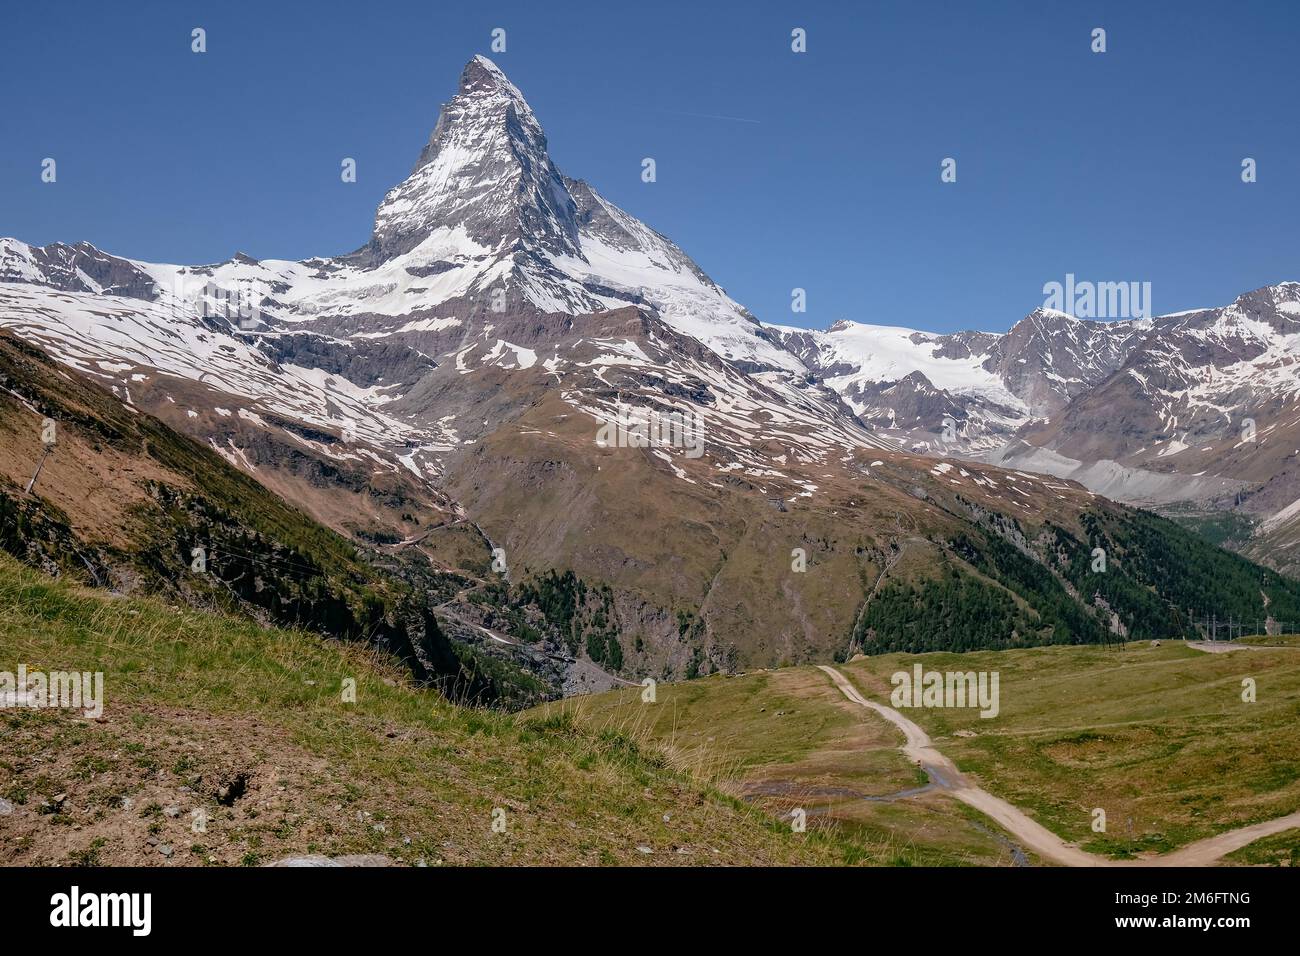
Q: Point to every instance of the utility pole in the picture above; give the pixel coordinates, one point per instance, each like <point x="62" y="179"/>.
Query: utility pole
<point x="48" y="441"/>
<point x="39" y="465"/>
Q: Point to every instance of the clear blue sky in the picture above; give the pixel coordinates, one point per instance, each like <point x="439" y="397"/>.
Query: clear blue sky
<point x="1116" y="166"/>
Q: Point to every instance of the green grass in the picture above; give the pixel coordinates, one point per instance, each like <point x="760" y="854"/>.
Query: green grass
<point x="786" y="739"/>
<point x="1158" y="737"/>
<point x="1281" y="849"/>
<point x="1273" y="640"/>
<point x="193" y="700"/>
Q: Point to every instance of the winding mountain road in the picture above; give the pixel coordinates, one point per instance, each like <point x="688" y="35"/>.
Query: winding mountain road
<point x="1031" y="834"/>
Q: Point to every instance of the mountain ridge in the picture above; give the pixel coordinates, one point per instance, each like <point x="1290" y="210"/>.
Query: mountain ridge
<point x="1192" y="412"/>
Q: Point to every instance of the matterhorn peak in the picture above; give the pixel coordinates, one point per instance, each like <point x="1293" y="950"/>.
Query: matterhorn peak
<point x="487" y="212"/>
<point x="486" y="92"/>
<point x="485" y="170"/>
<point x="482" y="75"/>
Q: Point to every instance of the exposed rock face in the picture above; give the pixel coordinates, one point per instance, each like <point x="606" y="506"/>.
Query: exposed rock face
<point x="73" y="268"/>
<point x="1048" y="358"/>
<point x="485" y="170"/>
<point x="1185" y="381"/>
<point x="993" y="384"/>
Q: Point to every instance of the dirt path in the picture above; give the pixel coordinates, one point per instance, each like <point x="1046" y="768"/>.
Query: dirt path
<point x="1218" y="647"/>
<point x="1208" y="851"/>
<point x="1031" y="834"/>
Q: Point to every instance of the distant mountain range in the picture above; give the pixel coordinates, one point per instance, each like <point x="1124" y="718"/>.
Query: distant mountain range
<point x="1196" y="413"/>
<point x="519" y="388"/>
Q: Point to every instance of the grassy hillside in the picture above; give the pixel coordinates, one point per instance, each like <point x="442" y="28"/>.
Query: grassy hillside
<point x="123" y="501"/>
<point x="616" y="563"/>
<point x="787" y="739"/>
<point x="216" y="714"/>
<point x="1157" y="736"/>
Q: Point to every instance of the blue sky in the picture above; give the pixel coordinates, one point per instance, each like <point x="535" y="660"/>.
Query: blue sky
<point x="1122" y="166"/>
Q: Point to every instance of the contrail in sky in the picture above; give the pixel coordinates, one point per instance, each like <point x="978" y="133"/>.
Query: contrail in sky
<point x="734" y="119"/>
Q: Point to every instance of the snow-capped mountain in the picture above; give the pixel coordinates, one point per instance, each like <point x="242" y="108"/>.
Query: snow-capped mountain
<point x="907" y="382"/>
<point x="485" y="224"/>
<point x="1195" y="376"/>
<point x="1206" y="409"/>
<point x="485" y="217"/>
<point x="910" y="383"/>
<point x="476" y="261"/>
<point x="1197" y="410"/>
<point x="113" y="319"/>
<point x="1072" y="385"/>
